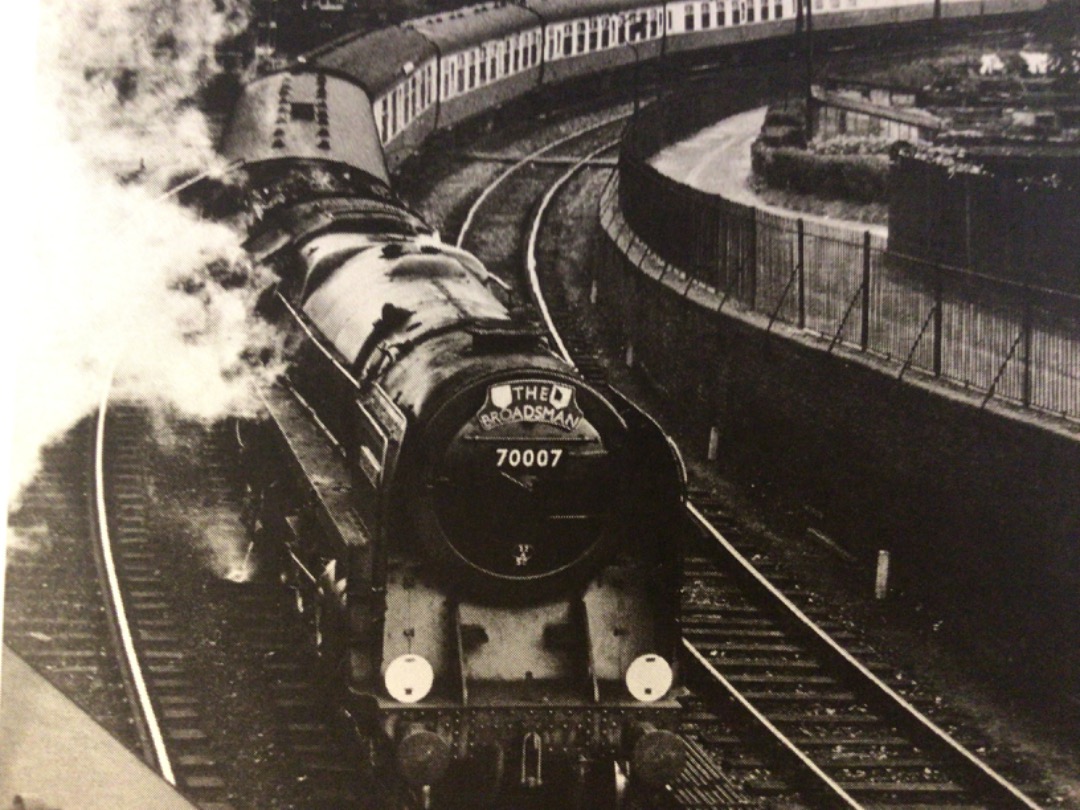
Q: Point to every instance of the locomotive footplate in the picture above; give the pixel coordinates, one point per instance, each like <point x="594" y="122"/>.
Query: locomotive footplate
<point x="315" y="464"/>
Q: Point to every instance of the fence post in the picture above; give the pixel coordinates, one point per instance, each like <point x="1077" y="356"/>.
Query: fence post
<point x="939" y="295"/>
<point x="751" y="256"/>
<point x="864" y="331"/>
<point x="722" y="224"/>
<point x="1027" y="326"/>
<point x="802" y="274"/>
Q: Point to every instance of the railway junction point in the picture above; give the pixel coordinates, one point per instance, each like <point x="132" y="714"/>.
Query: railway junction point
<point x="54" y="756"/>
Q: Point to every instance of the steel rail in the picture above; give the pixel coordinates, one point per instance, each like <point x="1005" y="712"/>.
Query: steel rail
<point x="534" y="235"/>
<point x="994" y="783"/>
<point x="989" y="780"/>
<point x="529" y="158"/>
<point x="795" y="754"/>
<point x="143" y="705"/>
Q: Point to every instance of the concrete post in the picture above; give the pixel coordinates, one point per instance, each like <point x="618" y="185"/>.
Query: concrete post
<point x="881" y="581"/>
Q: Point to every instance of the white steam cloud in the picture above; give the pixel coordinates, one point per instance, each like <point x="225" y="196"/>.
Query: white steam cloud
<point x="119" y="275"/>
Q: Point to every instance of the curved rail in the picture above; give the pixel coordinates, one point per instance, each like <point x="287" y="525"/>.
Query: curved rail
<point x="990" y="783"/>
<point x="534" y="235"/>
<point x="494" y="184"/>
<point x="142" y="706"/>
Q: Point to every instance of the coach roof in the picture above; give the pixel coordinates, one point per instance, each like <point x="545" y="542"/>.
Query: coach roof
<point x="374" y="60"/>
<point x="556" y="10"/>
<point x="308" y="116"/>
<point x="473" y="25"/>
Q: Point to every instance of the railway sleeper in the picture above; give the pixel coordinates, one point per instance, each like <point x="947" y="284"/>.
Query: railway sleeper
<point x="906" y="789"/>
<point x="805" y="719"/>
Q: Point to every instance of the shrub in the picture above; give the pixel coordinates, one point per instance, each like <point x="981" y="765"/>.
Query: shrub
<point x="859" y="178"/>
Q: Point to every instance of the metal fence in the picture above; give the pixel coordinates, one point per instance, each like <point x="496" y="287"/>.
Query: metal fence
<point x="993" y="336"/>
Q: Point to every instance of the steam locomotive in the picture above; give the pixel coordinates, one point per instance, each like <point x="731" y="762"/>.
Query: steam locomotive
<point x="484" y="540"/>
<point x="487" y="545"/>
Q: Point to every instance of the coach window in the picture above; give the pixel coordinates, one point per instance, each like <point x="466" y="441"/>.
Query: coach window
<point x="568" y="40"/>
<point x="706" y="15"/>
<point x="653" y="23"/>
<point x="493" y="61"/>
<point x="688" y="17"/>
<point x="778" y="10"/>
<point x="383" y="126"/>
<point x="580" y="37"/>
<point x="605" y="32"/>
<point x="483" y="65"/>
<point x="764" y="9"/>
<point x="594" y="34"/>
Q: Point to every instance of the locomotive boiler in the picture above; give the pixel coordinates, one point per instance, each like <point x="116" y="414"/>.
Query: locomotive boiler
<point x="486" y="544"/>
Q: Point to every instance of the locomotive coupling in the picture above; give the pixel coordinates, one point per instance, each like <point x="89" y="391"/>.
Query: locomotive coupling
<point x="422" y="756"/>
<point x="657" y="756"/>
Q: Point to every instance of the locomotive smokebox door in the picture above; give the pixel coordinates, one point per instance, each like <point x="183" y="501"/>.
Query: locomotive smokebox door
<point x="515" y="492"/>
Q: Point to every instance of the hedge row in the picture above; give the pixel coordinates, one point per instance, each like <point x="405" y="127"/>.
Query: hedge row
<point x="859" y="178"/>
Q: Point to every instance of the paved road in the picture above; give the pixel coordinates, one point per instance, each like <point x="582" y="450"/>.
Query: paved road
<point x="717" y="160"/>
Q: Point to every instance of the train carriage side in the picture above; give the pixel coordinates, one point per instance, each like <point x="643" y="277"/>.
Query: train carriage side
<point x="693" y="26"/>
<point x="853" y="14"/>
<point x="581" y="38"/>
<point x="972" y="8"/>
<point x="488" y="55"/>
<point x="398" y="69"/>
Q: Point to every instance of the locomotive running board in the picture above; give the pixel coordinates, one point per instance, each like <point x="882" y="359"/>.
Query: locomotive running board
<point x="317" y="464"/>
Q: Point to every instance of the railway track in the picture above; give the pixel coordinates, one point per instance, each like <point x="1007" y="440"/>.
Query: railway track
<point x="54" y="613"/>
<point x="826" y="725"/>
<point x="214" y="684"/>
<point x="228" y="663"/>
<point x="848" y="738"/>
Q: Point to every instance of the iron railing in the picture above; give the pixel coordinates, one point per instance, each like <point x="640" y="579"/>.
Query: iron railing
<point x="1001" y="338"/>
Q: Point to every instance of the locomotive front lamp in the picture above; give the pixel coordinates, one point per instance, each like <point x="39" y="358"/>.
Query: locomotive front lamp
<point x="649" y="678"/>
<point x="409" y="678"/>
